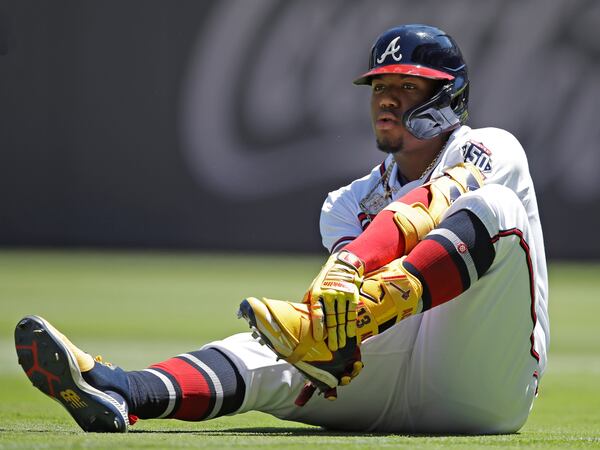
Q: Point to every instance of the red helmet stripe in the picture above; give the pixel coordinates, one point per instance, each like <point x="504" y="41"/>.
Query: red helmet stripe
<point x="405" y="69"/>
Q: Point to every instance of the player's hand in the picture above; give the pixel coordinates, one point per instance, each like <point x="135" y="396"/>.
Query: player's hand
<point x="352" y="367"/>
<point x="335" y="290"/>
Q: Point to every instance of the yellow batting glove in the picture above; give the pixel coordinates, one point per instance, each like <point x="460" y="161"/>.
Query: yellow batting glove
<point x="335" y="290"/>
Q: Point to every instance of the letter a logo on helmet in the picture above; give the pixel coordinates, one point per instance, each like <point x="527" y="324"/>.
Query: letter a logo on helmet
<point x="391" y="50"/>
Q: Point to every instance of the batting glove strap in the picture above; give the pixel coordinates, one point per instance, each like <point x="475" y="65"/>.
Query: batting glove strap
<point x="351" y="260"/>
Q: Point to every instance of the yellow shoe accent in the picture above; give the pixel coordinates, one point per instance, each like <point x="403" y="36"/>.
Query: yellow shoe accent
<point x="84" y="360"/>
<point x="98" y="359"/>
<point x="285" y="327"/>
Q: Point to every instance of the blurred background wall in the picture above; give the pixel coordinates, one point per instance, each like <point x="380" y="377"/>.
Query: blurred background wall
<point x="223" y="124"/>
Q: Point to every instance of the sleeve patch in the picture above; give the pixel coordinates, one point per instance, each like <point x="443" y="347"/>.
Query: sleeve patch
<point x="478" y="154"/>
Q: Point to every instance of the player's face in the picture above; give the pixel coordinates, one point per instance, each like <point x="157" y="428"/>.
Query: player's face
<point x="391" y="97"/>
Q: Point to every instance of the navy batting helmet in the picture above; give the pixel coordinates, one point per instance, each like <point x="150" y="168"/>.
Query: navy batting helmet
<point x="428" y="52"/>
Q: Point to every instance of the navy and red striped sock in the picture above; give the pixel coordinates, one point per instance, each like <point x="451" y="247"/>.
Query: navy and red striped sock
<point x="451" y="258"/>
<point x="192" y="386"/>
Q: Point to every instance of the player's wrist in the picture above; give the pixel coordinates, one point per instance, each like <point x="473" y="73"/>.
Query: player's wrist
<point x="351" y="261"/>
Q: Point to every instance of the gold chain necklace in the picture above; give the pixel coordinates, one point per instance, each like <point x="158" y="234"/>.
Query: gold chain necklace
<point x="435" y="160"/>
<point x="384" y="182"/>
<point x="432" y="163"/>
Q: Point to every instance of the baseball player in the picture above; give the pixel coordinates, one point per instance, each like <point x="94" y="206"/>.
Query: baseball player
<point x="430" y="315"/>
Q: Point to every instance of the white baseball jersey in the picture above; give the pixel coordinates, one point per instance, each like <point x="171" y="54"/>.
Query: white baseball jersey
<point x="502" y="160"/>
<point x="470" y="365"/>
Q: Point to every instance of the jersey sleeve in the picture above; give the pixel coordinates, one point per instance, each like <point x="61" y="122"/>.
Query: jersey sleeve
<point x="506" y="162"/>
<point x="342" y="219"/>
<point x="339" y="222"/>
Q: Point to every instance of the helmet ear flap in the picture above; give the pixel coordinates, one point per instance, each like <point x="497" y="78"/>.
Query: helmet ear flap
<point x="434" y="117"/>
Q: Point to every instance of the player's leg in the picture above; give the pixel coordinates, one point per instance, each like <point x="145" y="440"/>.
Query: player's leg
<point x="388" y="294"/>
<point x="273" y="385"/>
<point x="372" y="399"/>
<point x="365" y="403"/>
<point x="474" y="367"/>
<point x="468" y="364"/>
<point x="334" y="293"/>
<point x="194" y="386"/>
<point x="461" y="258"/>
<point x="234" y="375"/>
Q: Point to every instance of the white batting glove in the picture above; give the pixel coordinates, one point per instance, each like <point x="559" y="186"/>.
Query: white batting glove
<point x="335" y="290"/>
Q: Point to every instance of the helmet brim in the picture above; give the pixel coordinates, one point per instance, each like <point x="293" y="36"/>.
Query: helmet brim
<point x="403" y="69"/>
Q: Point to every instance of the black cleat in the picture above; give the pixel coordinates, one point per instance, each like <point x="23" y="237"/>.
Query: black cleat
<point x="51" y="365"/>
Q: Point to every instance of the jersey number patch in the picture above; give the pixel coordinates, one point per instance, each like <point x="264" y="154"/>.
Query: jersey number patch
<point x="479" y="155"/>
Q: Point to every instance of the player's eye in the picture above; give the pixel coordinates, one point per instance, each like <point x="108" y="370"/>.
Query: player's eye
<point x="378" y="87"/>
<point x="409" y="86"/>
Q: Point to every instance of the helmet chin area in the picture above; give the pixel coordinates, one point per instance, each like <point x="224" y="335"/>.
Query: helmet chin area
<point x="433" y="117"/>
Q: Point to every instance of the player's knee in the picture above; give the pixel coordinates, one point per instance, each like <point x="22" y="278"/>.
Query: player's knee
<point x="497" y="206"/>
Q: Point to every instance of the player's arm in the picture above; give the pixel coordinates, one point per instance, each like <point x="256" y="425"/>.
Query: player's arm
<point x="392" y="234"/>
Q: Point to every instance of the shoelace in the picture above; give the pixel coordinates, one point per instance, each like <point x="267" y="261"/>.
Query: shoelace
<point x="98" y="359"/>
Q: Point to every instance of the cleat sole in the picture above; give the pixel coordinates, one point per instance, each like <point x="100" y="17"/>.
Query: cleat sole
<point x="52" y="368"/>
